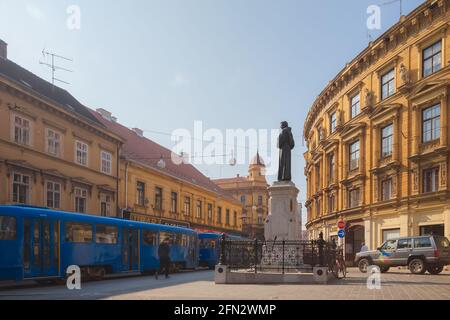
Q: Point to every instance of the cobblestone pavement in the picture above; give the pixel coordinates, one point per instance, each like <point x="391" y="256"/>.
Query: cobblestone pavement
<point x="396" y="284"/>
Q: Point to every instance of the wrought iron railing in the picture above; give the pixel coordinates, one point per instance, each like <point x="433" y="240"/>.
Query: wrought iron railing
<point x="277" y="256"/>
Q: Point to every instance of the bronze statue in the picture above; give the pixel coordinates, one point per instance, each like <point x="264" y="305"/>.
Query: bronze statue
<point x="285" y="144"/>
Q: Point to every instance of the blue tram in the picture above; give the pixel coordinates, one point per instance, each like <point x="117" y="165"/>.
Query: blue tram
<point x="37" y="243"/>
<point x="209" y="244"/>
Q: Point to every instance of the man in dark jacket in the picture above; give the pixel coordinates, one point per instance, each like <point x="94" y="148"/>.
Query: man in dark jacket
<point x="164" y="257"/>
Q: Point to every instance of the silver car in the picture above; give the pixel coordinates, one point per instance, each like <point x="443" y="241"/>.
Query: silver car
<point x="420" y="254"/>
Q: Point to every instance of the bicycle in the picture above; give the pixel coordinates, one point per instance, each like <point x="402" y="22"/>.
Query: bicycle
<point x="336" y="264"/>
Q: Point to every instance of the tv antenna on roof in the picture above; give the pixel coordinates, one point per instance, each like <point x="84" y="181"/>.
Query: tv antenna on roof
<point x="53" y="66"/>
<point x="394" y="1"/>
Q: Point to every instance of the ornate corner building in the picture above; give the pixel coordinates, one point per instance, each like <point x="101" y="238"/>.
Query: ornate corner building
<point x="377" y="137"/>
<point x="253" y="194"/>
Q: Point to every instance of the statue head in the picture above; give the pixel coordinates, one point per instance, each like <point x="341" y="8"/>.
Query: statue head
<point x="284" y="124"/>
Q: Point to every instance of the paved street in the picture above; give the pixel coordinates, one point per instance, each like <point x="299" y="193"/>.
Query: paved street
<point x="397" y="284"/>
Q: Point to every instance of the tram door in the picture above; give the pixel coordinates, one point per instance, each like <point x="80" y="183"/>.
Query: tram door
<point x="41" y="248"/>
<point x="130" y="249"/>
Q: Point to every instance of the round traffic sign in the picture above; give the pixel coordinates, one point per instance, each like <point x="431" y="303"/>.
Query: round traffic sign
<point x="341" y="224"/>
<point x="341" y="234"/>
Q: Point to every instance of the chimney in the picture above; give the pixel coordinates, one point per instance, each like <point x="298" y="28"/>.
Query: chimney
<point x="105" y="114"/>
<point x="139" y="132"/>
<point x="3" y="49"/>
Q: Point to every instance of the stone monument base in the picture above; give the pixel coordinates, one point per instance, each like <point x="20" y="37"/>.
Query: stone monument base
<point x="283" y="221"/>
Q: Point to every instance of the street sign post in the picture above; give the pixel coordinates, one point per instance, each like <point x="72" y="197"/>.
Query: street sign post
<point x="341" y="234"/>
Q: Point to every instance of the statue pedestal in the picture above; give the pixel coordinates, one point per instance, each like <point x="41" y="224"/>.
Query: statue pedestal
<point x="283" y="221"/>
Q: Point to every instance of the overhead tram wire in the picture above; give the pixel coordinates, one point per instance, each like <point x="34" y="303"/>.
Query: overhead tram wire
<point x="223" y="144"/>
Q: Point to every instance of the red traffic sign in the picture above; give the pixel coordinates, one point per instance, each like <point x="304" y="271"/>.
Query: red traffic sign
<point x="341" y="224"/>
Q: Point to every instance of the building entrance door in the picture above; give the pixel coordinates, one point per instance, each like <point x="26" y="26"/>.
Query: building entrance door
<point x="353" y="242"/>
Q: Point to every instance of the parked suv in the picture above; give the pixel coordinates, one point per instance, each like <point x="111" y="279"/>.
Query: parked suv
<point x="420" y="254"/>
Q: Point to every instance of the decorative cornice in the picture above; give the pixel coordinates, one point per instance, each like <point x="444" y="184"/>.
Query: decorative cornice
<point x="407" y="27"/>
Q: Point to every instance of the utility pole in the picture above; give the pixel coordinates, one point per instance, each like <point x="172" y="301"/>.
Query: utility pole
<point x="53" y="66"/>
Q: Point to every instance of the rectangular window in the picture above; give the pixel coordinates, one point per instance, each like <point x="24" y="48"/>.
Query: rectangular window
<point x="354" y="155"/>
<point x="331" y="168"/>
<point x="158" y="198"/>
<point x="210" y="212"/>
<point x="354" y="198"/>
<point x="331" y="203"/>
<point x="386" y="190"/>
<point x="318" y="208"/>
<point x="432" y="59"/>
<point x="53" y="195"/>
<point x="21" y="188"/>
<point x="431" y="180"/>
<point x="318" y="178"/>
<point x="235" y="218"/>
<point x="243" y="199"/>
<point x="260" y="200"/>
<point x="431" y="123"/>
<point x="53" y="142"/>
<point x="106" y="234"/>
<point x="320" y="133"/>
<point x="333" y="122"/>
<point x="424" y="242"/>
<point x="260" y="219"/>
<point x="8" y="228"/>
<point x="355" y="106"/>
<point x="105" y="205"/>
<point x="22" y="130"/>
<point x="386" y="141"/>
<point x="81" y="150"/>
<point x="198" y="210"/>
<point x="219" y="215"/>
<point x="78" y="232"/>
<point x="80" y="200"/>
<point x="391" y="234"/>
<point x="404" y="244"/>
<point x="227" y="217"/>
<point x="187" y="206"/>
<point x="140" y="193"/>
<point x="174" y="202"/>
<point x="388" y="84"/>
<point x="149" y="237"/>
<point x="106" y="165"/>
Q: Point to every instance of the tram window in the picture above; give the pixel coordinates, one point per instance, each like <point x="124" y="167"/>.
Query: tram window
<point x="78" y="232"/>
<point x="8" y="228"/>
<point x="106" y="234"/>
<point x="149" y="237"/>
<point x="184" y="240"/>
<point x="163" y="235"/>
<point x="178" y="239"/>
<point x="213" y="243"/>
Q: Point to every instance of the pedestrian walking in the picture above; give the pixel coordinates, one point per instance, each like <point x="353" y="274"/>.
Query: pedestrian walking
<point x="164" y="258"/>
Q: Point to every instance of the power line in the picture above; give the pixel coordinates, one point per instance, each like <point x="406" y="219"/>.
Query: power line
<point x="202" y="140"/>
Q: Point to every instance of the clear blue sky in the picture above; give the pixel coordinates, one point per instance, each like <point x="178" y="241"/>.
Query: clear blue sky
<point x="161" y="65"/>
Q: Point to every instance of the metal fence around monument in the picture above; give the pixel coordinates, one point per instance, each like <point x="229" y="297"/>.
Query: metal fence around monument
<point x="275" y="256"/>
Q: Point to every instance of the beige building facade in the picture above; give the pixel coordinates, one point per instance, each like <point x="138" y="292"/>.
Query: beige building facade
<point x="252" y="193"/>
<point x="53" y="152"/>
<point x="378" y="137"/>
<point x="155" y="189"/>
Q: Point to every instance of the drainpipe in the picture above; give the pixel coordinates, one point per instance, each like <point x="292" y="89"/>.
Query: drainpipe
<point x="126" y="186"/>
<point x="118" y="181"/>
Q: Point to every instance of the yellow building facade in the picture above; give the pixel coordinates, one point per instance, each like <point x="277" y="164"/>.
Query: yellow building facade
<point x="155" y="189"/>
<point x="378" y="137"/>
<point x="53" y="152"/>
<point x="252" y="193"/>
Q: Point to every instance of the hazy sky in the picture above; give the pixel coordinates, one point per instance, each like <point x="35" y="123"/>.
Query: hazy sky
<point x="161" y="65"/>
